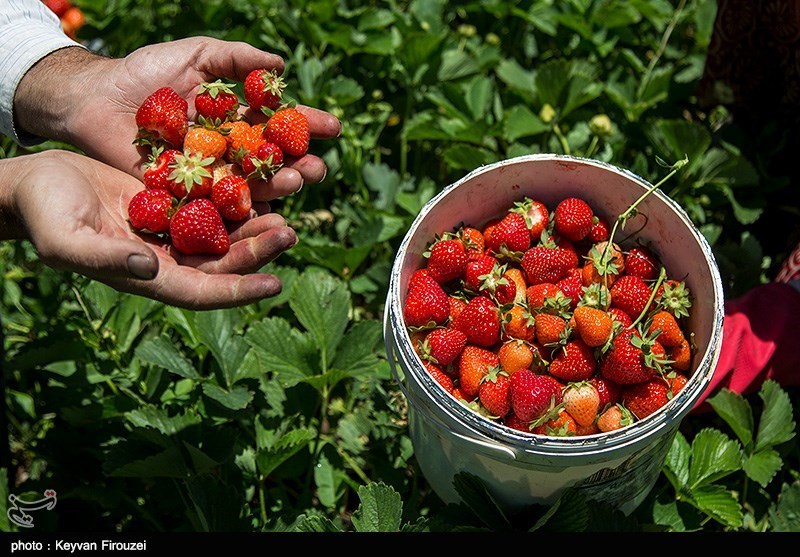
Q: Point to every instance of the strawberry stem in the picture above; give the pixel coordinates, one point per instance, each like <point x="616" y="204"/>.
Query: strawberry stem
<point x="661" y="276"/>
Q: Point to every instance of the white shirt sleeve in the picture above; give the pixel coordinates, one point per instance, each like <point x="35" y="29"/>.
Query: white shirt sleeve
<point x="29" y="31"/>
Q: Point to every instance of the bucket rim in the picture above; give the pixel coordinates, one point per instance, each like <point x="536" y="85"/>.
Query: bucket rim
<point x="458" y="415"/>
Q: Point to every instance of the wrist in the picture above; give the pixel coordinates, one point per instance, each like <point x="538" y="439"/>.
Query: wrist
<point x="13" y="172"/>
<point x="52" y="93"/>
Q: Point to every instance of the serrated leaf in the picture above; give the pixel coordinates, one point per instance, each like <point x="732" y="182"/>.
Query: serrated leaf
<point x="520" y="121"/>
<point x="166" y="464"/>
<point x="467" y="157"/>
<point x="736" y="412"/>
<point x="476" y="497"/>
<point x="384" y="181"/>
<point x="380" y="510"/>
<point x="714" y="456"/>
<point x="785" y="513"/>
<point x="158" y="419"/>
<point x="516" y="77"/>
<point x="235" y="399"/>
<point x="676" y="464"/>
<point x="329" y="255"/>
<point x="216" y="330"/>
<point x="551" y="80"/>
<point x="456" y="64"/>
<point x="283" y="449"/>
<point x="675" y="139"/>
<point x="283" y="350"/>
<point x="314" y="523"/>
<point x="762" y="466"/>
<point x="162" y="352"/>
<point x="571" y="514"/>
<point x="666" y="513"/>
<point x="328" y="481"/>
<point x="720" y="504"/>
<point x="776" y="425"/>
<point x="478" y="97"/>
<point x="357" y="354"/>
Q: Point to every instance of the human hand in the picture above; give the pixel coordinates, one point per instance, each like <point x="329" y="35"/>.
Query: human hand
<point x="90" y="101"/>
<point x="74" y="210"/>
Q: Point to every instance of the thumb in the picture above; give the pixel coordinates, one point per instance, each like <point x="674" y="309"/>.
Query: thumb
<point x="235" y="59"/>
<point x="103" y="257"/>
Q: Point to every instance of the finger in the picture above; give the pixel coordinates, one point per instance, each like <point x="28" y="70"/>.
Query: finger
<point x="310" y="167"/>
<point x="255" y="226"/>
<point x="103" y="257"/>
<point x="234" y="59"/>
<point x="286" y="181"/>
<point x="321" y="124"/>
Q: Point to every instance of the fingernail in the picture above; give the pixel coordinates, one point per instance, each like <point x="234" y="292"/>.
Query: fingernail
<point x="298" y="190"/>
<point x="141" y="266"/>
<point x="324" y="175"/>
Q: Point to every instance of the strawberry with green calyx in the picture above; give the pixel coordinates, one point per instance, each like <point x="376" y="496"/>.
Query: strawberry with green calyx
<point x="439" y="376"/>
<point x="596" y="296"/>
<point x="641" y="262"/>
<point x="547" y="262"/>
<point x="582" y="401"/>
<point x="671" y="333"/>
<point x="558" y="424"/>
<point x="288" y="128"/>
<point x="613" y="418"/>
<point x="559" y="305"/>
<point x="509" y="238"/>
<point x="620" y="317"/>
<point x="536" y="216"/>
<point x="533" y="395"/>
<point x="447" y="259"/>
<point x="231" y="196"/>
<point x="515" y="355"/>
<point x="572" y="286"/>
<point x="603" y="264"/>
<point x="475" y="269"/>
<point x="480" y="321"/>
<point x="473" y="241"/>
<point x="443" y="346"/>
<point x="197" y="228"/>
<point x="573" y="219"/>
<point x="190" y="176"/>
<point x="473" y="364"/>
<point x="673" y="296"/>
<point x="494" y="392"/>
<point x="538" y="293"/>
<point x="550" y="329"/>
<point x="498" y="286"/>
<point x="426" y="302"/>
<point x="158" y="169"/>
<point x="263" y="89"/>
<point x="264" y="162"/>
<point x="644" y="399"/>
<point x="593" y="325"/>
<point x="205" y="143"/>
<point x="633" y="358"/>
<point x="511" y="420"/>
<point x="574" y="361"/>
<point x="162" y="118"/>
<point x="600" y="230"/>
<point x="150" y="210"/>
<point x="517" y="322"/>
<point x="215" y="103"/>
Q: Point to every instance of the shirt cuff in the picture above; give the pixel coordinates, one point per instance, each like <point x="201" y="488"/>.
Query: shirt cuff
<point x="21" y="46"/>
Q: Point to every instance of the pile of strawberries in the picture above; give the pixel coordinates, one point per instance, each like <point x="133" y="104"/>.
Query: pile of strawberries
<point x="538" y="321"/>
<point x="70" y="16"/>
<point x="197" y="178"/>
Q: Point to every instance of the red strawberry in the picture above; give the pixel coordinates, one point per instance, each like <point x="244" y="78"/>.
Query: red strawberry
<point x="681" y="356"/>
<point x="630" y="294"/>
<point x="544" y="264"/>
<point x="532" y="395"/>
<point x="215" y="103"/>
<point x="191" y="176"/>
<point x="162" y="117"/>
<point x="536" y="216"/>
<point x="426" y="302"/>
<point x="674" y="297"/>
<point x="515" y="355"/>
<point x="593" y="325"/>
<point x="608" y="390"/>
<point x="573" y="219"/>
<point x="231" y="196"/>
<point x="538" y="294"/>
<point x="263" y="89"/>
<point x="511" y="234"/>
<point x="549" y="328"/>
<point x="475" y="271"/>
<point x="456" y="305"/>
<point x="561" y="424"/>
<point x="620" y="317"/>
<point x="582" y="401"/>
<point x="473" y="241"/>
<point x="58" y="7"/>
<point x="498" y="286"/>
<point x="600" y="230"/>
<point x="460" y="395"/>
<point x="640" y="262"/>
<point x="197" y="228"/>
<point x="646" y="398"/>
<point x="671" y="333"/>
<point x="480" y="321"/>
<point x="444" y="346"/>
<point x="632" y="359"/>
<point x="439" y="376"/>
<point x="613" y="418"/>
<point x="474" y="363"/>
<point x="495" y="392"/>
<point x="574" y="362"/>
<point x="150" y="210"/>
<point x="156" y="175"/>
<point x="447" y="260"/>
<point x="518" y="323"/>
<point x="265" y="162"/>
<point x="514" y="422"/>
<point x="288" y="129"/>
<point x="572" y="286"/>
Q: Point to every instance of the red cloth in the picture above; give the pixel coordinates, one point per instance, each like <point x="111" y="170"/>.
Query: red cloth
<point x="759" y="341"/>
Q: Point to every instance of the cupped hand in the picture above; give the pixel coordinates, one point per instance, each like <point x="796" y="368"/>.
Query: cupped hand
<point x="74" y="210"/>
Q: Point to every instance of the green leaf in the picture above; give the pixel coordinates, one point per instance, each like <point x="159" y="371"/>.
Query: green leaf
<point x="478" y="97"/>
<point x="676" y="464"/>
<point x="675" y="138"/>
<point x="714" y="456"/>
<point x="785" y="513"/>
<point x="283" y="449"/>
<point x="357" y="354"/>
<point x="4" y="523"/>
<point x="235" y="399"/>
<point x="384" y="181"/>
<point x="720" y="504"/>
<point x="745" y="215"/>
<point x="467" y="157"/>
<point x="520" y="121"/>
<point x="517" y="78"/>
<point x="162" y="352"/>
<point x="571" y="514"/>
<point x="476" y="497"/>
<point x="551" y="80"/>
<point x="328" y="481"/>
<point x="216" y="329"/>
<point x="456" y="64"/>
<point x="762" y="466"/>
<point x="329" y="255"/>
<point x="381" y="509"/>
<point x="166" y="464"/>
<point x="377" y="228"/>
<point x="283" y="350"/>
<point x="158" y="419"/>
<point x="736" y="412"/>
<point x="314" y="523"/>
<point x="776" y="425"/>
<point x="322" y="303"/>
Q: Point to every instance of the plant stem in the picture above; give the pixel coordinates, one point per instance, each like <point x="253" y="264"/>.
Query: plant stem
<point x="592" y="147"/>
<point x="660" y="52"/>
<point x="661" y="276"/>
<point x="562" y="139"/>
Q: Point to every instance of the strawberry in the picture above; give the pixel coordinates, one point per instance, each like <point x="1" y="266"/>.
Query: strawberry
<point x="549" y="328"/>
<point x="613" y="418"/>
<point x="150" y="210"/>
<point x="518" y="323"/>
<point x="604" y="264"/>
<point x="480" y="321"/>
<point x="215" y="103"/>
<point x="583" y="430"/>
<point x="162" y="117"/>
<point x="600" y="230"/>
<point x="559" y="424"/>
<point x="516" y="276"/>
<point x="425" y="302"/>
<point x="545" y="264"/>
<point x="620" y="317"/>
<point x="608" y="391"/>
<point x="231" y="196"/>
<point x="497" y="286"/>
<point x="643" y="399"/>
<point x="681" y="355"/>
<point x="630" y="294"/>
<point x="632" y="359"/>
<point x="458" y="394"/>
<point x="242" y="139"/>
<point x="511" y="420"/>
<point x="220" y="169"/>
<point x="573" y="219"/>
<point x="582" y="401"/>
<point x="204" y="143"/>
<point x="197" y="228"/>
<point x="263" y="89"/>
<point x="156" y="175"/>
<point x="640" y="262"/>
<point x="475" y="271"/>
<point x="509" y="235"/>
<point x="597" y="296"/>
<point x="190" y="176"/>
<point x="536" y="216"/>
<point x="447" y="260"/>
<point x="533" y="395"/>
<point x="264" y="162"/>
<point x="593" y="325"/>
<point x="671" y="333"/>
<point x="674" y="297"/>
<point x="515" y="355"/>
<point x="456" y="306"/>
<point x="572" y="286"/>
<point x="58" y="7"/>
<point x="574" y="362"/>
<point x="288" y="129"/>
<point x="538" y="295"/>
<point x="473" y="241"/>
<point x="494" y="392"/>
<point x="443" y="346"/>
<point x="439" y="376"/>
<point x="473" y="364"/>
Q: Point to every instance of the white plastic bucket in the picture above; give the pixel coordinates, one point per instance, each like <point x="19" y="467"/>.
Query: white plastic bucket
<point x="619" y="467"/>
